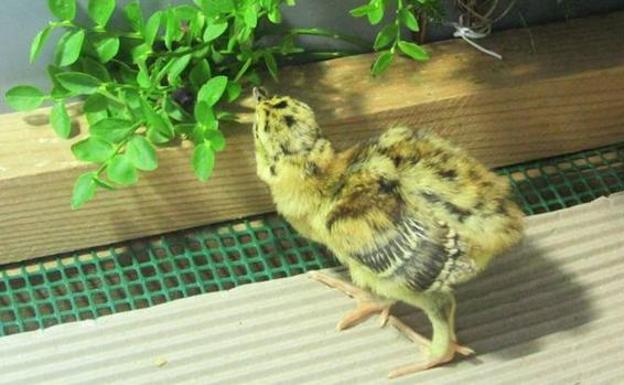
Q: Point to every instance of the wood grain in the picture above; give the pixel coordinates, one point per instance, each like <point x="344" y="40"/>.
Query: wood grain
<point x="565" y="96"/>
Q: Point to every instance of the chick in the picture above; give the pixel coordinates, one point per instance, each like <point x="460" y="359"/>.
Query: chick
<point x="409" y="214"/>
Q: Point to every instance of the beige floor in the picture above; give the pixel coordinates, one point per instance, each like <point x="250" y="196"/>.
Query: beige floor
<point x="551" y="312"/>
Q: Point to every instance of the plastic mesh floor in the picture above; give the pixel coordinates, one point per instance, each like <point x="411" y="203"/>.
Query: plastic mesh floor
<point x="145" y="272"/>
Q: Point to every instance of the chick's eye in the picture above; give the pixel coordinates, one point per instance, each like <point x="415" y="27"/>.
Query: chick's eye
<point x="280" y="105"/>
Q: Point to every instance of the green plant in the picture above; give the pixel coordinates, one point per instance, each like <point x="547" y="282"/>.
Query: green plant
<point x="389" y="39"/>
<point x="171" y="76"/>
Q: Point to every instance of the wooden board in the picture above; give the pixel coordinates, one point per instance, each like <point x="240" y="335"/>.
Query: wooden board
<point x="566" y="95"/>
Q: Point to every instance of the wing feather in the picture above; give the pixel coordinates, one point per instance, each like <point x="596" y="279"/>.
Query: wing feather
<point x="423" y="257"/>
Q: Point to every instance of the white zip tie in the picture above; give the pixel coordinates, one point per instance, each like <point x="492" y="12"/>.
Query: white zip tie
<point x="466" y="34"/>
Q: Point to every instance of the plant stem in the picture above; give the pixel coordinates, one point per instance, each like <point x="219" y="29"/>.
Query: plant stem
<point x="128" y="35"/>
<point x="325" y="33"/>
<point x="321" y="55"/>
<point x="243" y="69"/>
<point x="198" y="47"/>
<point x="119" y="147"/>
<point x="112" y="97"/>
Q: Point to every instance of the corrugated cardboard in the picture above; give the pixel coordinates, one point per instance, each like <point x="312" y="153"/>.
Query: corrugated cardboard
<point x="550" y="312"/>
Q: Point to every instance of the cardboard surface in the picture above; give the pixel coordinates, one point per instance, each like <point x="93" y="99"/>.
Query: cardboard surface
<point x="551" y="311"/>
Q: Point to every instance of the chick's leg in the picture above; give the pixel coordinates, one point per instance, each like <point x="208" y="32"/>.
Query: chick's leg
<point x="440" y="308"/>
<point x="367" y="304"/>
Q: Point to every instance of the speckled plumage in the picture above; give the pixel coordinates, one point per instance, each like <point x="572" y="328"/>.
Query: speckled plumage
<point x="409" y="214"/>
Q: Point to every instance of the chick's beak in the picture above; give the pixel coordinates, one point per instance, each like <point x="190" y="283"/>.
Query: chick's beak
<point x="259" y="94"/>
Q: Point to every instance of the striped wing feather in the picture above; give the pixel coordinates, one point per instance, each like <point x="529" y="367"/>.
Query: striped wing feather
<point x="424" y="257"/>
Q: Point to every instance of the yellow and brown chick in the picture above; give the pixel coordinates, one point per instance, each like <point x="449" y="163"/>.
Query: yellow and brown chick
<point x="409" y="214"/>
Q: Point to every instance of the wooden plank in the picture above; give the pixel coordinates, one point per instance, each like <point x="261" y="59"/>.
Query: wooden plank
<point x="565" y="96"/>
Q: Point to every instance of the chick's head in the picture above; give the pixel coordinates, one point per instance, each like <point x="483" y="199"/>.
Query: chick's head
<point x="283" y="126"/>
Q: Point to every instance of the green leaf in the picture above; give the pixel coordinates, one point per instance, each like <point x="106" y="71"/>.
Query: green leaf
<point x="151" y="27"/>
<point x="204" y="114"/>
<point x="79" y="82"/>
<point x="106" y="48"/>
<point x="38" y="42"/>
<point x="174" y="111"/>
<point x="94" y="117"/>
<point x="58" y="91"/>
<point x="208" y="11"/>
<point x="212" y="90"/>
<point x="133" y="102"/>
<point x="197" y="133"/>
<point x="203" y="161"/>
<point x="84" y="190"/>
<point x="141" y="153"/>
<point x="128" y="74"/>
<point x="63" y="9"/>
<point x="216" y="56"/>
<point x="386" y="36"/>
<point x="376" y="12"/>
<point x="59" y="118"/>
<point x="242" y="37"/>
<point x="114" y="130"/>
<point x="95" y="103"/>
<point x="95" y="68"/>
<point x="134" y="15"/>
<point x="179" y="65"/>
<point x="233" y="41"/>
<point x="68" y="48"/>
<point x="222" y="6"/>
<point x="118" y="111"/>
<point x="185" y="12"/>
<point x="143" y="78"/>
<point x="141" y="52"/>
<point x="233" y="91"/>
<point x="253" y="78"/>
<point x="275" y="16"/>
<point x="196" y="25"/>
<point x="271" y="64"/>
<point x="213" y="31"/>
<point x="100" y="11"/>
<point x="382" y="63"/>
<point x="408" y="19"/>
<point x="159" y="130"/>
<point x="158" y="135"/>
<point x="184" y="129"/>
<point x="250" y="16"/>
<point x="24" y="98"/>
<point x="171" y="28"/>
<point x="360" y="11"/>
<point x="413" y="50"/>
<point x="122" y="171"/>
<point x="200" y="74"/>
<point x="93" y="149"/>
<point x="216" y="139"/>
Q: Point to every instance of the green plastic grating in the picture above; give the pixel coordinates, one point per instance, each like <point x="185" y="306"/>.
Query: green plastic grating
<point x="145" y="272"/>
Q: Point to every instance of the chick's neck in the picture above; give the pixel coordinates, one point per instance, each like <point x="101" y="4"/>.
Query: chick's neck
<point x="299" y="184"/>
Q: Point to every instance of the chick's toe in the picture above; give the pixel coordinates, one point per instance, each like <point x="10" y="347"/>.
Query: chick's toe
<point x="366" y="304"/>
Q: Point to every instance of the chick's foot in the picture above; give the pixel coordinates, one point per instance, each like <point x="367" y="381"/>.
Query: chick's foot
<point x="424" y="341"/>
<point x="367" y="304"/>
<point x="432" y="361"/>
<point x="435" y="360"/>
